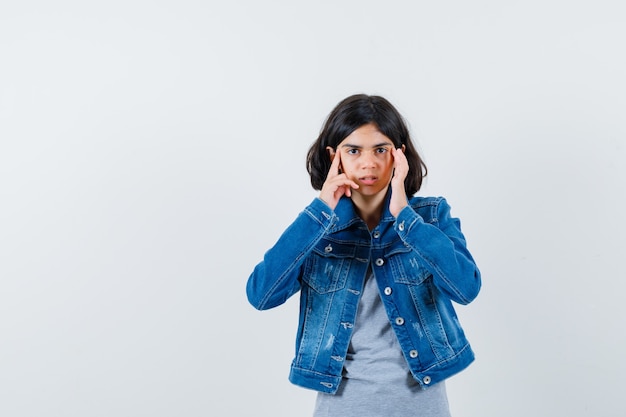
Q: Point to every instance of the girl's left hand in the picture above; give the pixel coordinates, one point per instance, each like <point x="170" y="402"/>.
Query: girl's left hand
<point x="398" y="194"/>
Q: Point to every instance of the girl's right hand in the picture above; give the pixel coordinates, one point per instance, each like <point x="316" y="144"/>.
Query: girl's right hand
<point x="337" y="184"/>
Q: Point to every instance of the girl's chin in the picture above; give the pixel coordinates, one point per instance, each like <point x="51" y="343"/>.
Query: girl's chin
<point x="366" y="191"/>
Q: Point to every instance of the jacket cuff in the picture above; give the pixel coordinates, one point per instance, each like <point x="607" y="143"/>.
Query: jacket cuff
<point x="407" y="219"/>
<point x="321" y="212"/>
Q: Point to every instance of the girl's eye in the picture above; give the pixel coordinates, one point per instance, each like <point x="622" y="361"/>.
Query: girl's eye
<point x="381" y="150"/>
<point x="353" y="151"/>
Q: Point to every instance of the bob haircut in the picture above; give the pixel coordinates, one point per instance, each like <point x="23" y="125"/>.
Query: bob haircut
<point x="352" y="113"/>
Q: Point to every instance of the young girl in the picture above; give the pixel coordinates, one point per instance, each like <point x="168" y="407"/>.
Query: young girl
<point x="377" y="270"/>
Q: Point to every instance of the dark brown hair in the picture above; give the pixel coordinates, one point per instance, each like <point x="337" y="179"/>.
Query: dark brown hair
<point x="352" y="113"/>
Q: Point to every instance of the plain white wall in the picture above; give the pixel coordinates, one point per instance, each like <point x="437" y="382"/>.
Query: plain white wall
<point x="151" y="151"/>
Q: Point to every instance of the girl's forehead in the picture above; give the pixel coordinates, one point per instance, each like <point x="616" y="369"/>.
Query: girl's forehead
<point x="366" y="136"/>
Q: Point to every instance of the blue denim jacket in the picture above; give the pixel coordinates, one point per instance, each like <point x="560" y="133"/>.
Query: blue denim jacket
<point x="421" y="264"/>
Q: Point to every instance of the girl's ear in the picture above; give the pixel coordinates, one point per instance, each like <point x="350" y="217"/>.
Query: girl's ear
<point x="403" y="149"/>
<point x="331" y="153"/>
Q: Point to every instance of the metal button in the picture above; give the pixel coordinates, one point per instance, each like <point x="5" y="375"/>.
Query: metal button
<point x="376" y="234"/>
<point x="380" y="261"/>
<point x="388" y="291"/>
<point x="413" y="353"/>
<point x="399" y="321"/>
<point x="328" y="249"/>
<point x="426" y="380"/>
<point x="401" y="226"/>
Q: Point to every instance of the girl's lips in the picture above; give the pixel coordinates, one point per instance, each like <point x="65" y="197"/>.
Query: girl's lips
<point x="368" y="180"/>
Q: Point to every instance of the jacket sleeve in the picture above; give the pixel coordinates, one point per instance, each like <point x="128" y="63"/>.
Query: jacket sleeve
<point x="441" y="248"/>
<point x="277" y="277"/>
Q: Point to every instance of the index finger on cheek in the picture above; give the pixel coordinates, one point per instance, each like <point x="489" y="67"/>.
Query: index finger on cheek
<point x="334" y="166"/>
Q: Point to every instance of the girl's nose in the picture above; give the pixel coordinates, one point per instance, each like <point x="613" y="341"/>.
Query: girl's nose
<point x="368" y="160"/>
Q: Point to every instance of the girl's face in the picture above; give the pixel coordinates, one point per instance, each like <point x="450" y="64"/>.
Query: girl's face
<point x="367" y="159"/>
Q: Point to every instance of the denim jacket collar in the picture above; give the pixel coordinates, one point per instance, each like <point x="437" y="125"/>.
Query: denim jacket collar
<point x="346" y="215"/>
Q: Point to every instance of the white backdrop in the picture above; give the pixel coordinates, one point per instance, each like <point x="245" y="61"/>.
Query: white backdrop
<point x="151" y="151"/>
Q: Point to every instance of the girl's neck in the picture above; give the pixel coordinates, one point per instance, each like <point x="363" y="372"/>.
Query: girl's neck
<point x="369" y="208"/>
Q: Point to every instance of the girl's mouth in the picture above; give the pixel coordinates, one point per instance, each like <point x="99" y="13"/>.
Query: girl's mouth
<point x="369" y="180"/>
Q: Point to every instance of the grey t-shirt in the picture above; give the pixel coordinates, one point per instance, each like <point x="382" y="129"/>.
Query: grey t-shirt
<point x="376" y="379"/>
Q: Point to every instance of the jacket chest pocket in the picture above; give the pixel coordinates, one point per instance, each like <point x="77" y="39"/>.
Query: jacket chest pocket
<point x="326" y="269"/>
<point x="405" y="267"/>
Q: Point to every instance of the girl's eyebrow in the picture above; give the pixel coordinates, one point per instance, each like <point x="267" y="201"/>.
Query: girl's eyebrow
<point x="378" y="145"/>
